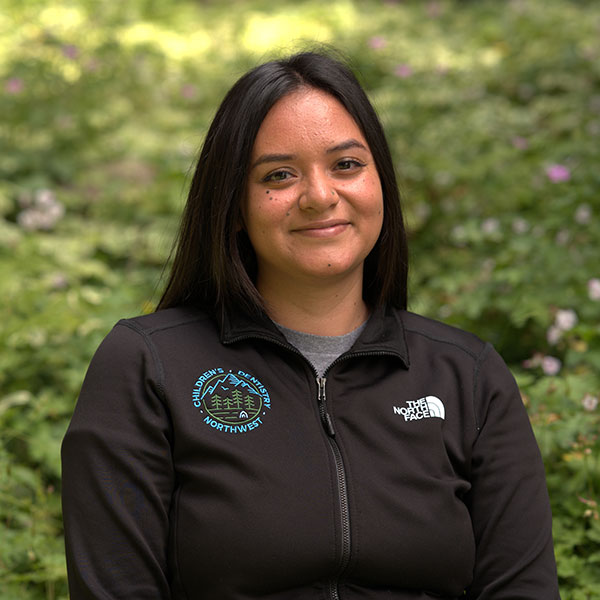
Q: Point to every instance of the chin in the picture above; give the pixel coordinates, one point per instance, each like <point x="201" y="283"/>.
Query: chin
<point x="331" y="269"/>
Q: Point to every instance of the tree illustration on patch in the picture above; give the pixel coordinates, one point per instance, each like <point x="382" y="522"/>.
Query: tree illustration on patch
<point x="249" y="402"/>
<point x="228" y="402"/>
<point x="216" y="401"/>
<point x="237" y="398"/>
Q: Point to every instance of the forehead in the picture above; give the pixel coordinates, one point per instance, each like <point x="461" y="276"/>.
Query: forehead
<point x="306" y="116"/>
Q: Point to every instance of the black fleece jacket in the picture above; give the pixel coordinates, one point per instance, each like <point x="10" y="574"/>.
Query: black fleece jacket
<point x="210" y="462"/>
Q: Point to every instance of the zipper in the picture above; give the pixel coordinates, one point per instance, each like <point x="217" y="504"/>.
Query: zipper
<point x="327" y="423"/>
<point x="342" y="487"/>
<point x="322" y="401"/>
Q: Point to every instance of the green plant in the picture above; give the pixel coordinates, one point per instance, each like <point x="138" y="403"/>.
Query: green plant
<point x="493" y="115"/>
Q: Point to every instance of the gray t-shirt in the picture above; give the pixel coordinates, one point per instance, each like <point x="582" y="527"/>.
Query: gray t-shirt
<point x="321" y="350"/>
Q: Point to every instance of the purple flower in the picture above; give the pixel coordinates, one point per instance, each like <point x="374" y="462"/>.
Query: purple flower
<point x="43" y="213"/>
<point x="583" y="214"/>
<point x="434" y="9"/>
<point x="490" y="226"/>
<point x="565" y="319"/>
<point x="558" y="173"/>
<point x="377" y="42"/>
<point x="520" y="143"/>
<point x="563" y="237"/>
<point x="14" y="85"/>
<point x="188" y="91"/>
<point x="551" y="365"/>
<point x="459" y="234"/>
<point x="553" y="334"/>
<point x="403" y="71"/>
<point x="534" y="361"/>
<point x="589" y="402"/>
<point x="59" y="281"/>
<point x="520" y="225"/>
<point x="70" y="51"/>
<point x="594" y="288"/>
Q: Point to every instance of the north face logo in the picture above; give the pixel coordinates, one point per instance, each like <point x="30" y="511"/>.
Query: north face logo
<point x="423" y="408"/>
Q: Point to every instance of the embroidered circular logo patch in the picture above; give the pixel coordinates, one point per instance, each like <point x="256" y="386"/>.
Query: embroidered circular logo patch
<point x="231" y="402"/>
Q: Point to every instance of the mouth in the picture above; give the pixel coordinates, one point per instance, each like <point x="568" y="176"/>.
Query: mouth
<point x="323" y="228"/>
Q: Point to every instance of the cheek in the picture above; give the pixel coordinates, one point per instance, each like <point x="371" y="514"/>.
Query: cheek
<point x="373" y="199"/>
<point x="368" y="189"/>
<point x="375" y="208"/>
<point x="263" y="215"/>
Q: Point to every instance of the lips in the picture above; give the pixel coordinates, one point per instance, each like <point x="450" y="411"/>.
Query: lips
<point x="316" y="226"/>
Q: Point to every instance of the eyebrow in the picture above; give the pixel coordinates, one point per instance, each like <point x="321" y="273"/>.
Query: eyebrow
<point x="346" y="145"/>
<point x="265" y="158"/>
<point x="351" y="143"/>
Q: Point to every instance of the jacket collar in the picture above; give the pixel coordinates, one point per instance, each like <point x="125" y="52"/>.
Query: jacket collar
<point x="383" y="334"/>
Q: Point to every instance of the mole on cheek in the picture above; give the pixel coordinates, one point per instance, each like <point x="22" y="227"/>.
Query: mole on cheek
<point x="267" y="192"/>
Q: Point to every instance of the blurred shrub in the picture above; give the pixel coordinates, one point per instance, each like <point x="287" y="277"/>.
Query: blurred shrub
<point x="493" y="115"/>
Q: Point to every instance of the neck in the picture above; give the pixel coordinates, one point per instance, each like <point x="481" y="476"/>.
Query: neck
<point x="325" y="308"/>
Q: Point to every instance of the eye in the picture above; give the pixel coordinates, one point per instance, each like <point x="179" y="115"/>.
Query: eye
<point x="276" y="176"/>
<point x="349" y="164"/>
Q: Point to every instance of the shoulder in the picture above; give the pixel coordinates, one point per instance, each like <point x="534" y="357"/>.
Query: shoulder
<point x="137" y="345"/>
<point x="164" y="320"/>
<point x="134" y="337"/>
<point x="438" y="347"/>
<point x="421" y="330"/>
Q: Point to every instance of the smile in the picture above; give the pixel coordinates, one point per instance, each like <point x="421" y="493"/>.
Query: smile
<point x="323" y="229"/>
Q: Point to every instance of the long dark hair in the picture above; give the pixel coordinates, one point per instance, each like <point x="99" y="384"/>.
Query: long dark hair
<point x="214" y="265"/>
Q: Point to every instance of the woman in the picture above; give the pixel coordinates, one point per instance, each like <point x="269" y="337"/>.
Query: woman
<point x="281" y="427"/>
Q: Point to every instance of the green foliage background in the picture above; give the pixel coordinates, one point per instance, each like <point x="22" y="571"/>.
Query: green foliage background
<point x="493" y="114"/>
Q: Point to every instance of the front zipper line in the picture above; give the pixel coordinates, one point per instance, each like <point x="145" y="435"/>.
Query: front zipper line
<point x="335" y="449"/>
<point x="342" y="487"/>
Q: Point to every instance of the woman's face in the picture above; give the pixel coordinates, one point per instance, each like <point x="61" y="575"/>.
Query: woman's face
<point x="314" y="206"/>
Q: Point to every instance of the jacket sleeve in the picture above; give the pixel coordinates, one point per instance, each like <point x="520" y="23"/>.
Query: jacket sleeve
<point x="118" y="475"/>
<point x="508" y="500"/>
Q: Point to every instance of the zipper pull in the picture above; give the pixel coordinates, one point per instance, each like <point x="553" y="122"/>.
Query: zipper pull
<point x="327" y="422"/>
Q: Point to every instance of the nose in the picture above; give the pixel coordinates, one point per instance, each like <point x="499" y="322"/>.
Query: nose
<point x="318" y="193"/>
